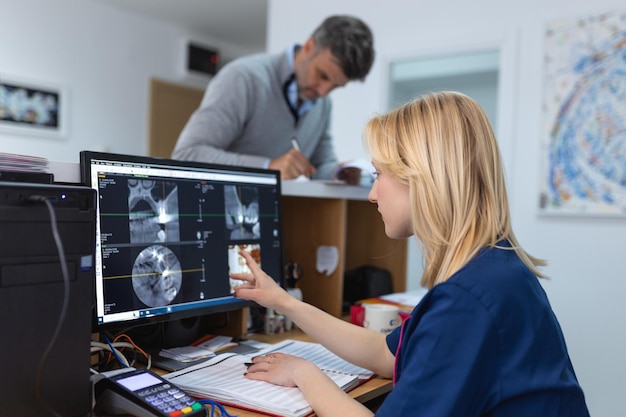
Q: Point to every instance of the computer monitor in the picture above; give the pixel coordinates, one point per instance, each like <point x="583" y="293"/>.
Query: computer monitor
<point x="168" y="233"/>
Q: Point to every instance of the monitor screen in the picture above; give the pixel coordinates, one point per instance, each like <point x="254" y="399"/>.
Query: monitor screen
<point x="168" y="233"/>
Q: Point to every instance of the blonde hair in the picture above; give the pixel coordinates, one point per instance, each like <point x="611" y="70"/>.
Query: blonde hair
<point x="442" y="146"/>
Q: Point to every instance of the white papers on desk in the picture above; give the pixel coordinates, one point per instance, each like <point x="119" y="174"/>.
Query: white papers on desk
<point x="217" y="343"/>
<point x="407" y="298"/>
<point x="319" y="355"/>
<point x="187" y="353"/>
<point x="301" y="178"/>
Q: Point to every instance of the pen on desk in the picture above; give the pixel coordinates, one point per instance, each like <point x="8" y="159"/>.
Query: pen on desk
<point x="294" y="143"/>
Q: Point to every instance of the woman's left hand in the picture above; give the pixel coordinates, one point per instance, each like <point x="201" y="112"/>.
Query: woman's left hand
<point x="280" y="369"/>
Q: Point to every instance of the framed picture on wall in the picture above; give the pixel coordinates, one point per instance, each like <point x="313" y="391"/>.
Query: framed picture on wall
<point x="32" y="108"/>
<point x="584" y="129"/>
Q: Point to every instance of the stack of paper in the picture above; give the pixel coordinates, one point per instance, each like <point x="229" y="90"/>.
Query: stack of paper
<point x="22" y="163"/>
<point x="187" y="353"/>
<point x="215" y="343"/>
<point x="408" y="298"/>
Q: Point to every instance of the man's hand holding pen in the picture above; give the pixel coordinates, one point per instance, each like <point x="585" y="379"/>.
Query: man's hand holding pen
<point x="293" y="163"/>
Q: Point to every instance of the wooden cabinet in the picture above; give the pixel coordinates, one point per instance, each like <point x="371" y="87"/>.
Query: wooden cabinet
<point x="317" y="214"/>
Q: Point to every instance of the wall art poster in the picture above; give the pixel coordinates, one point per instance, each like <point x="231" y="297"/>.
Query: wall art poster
<point x="585" y="116"/>
<point x="30" y="107"/>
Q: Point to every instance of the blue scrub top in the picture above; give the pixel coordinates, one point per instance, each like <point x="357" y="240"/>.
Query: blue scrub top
<point x="484" y="343"/>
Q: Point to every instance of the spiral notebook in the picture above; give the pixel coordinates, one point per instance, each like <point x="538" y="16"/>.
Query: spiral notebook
<point x="221" y="379"/>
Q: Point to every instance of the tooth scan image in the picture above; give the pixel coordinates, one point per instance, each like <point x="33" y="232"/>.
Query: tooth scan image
<point x="157" y="276"/>
<point x="242" y="212"/>
<point x="237" y="263"/>
<point x="153" y="211"/>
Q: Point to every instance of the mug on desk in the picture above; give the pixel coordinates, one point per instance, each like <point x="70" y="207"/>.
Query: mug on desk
<point x="382" y="318"/>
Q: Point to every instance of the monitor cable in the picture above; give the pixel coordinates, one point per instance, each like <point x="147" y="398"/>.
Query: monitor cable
<point x="64" y="307"/>
<point x="116" y="349"/>
<point x="112" y="347"/>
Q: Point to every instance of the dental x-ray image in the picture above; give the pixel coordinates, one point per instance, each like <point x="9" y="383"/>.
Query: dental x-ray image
<point x="157" y="276"/>
<point x="242" y="212"/>
<point x="153" y="211"/>
<point x="153" y="218"/>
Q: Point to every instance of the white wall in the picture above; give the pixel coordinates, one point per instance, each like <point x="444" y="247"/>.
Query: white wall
<point x="104" y="58"/>
<point x="588" y="286"/>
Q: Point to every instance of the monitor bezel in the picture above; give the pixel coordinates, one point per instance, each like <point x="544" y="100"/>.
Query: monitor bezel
<point x="231" y="304"/>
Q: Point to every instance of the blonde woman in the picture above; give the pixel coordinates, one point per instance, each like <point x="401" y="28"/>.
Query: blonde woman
<point x="484" y="340"/>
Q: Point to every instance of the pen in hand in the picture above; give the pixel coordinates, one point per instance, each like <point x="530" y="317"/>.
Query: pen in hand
<point x="296" y="146"/>
<point x="294" y="143"/>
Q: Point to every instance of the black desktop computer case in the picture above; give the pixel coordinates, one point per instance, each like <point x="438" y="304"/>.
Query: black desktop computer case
<point x="32" y="290"/>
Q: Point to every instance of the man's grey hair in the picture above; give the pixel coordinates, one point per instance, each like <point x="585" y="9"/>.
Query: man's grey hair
<point x="350" y="40"/>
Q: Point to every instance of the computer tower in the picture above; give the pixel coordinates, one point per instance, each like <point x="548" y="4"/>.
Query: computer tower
<point x="45" y="365"/>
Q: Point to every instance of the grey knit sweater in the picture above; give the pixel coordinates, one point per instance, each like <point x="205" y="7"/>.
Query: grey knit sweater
<point x="244" y="119"/>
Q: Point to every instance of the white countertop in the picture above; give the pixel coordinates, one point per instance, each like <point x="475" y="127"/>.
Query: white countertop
<point x="323" y="189"/>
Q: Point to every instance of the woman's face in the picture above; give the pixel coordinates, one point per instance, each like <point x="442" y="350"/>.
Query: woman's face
<point x="392" y="198"/>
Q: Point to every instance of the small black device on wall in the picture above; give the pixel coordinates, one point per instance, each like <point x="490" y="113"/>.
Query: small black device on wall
<point x="202" y="60"/>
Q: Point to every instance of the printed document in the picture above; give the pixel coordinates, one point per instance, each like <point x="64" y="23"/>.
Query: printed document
<point x="221" y="378"/>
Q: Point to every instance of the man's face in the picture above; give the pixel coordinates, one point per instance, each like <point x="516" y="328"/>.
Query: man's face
<point x="317" y="72"/>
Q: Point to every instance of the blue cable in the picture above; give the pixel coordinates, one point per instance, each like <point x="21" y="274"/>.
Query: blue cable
<point x="114" y="352"/>
<point x="213" y="404"/>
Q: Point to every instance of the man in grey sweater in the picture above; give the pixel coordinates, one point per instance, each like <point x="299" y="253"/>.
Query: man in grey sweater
<point x="272" y="111"/>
